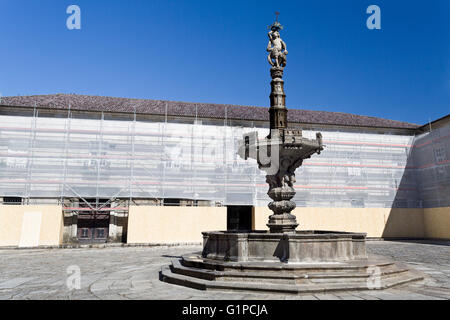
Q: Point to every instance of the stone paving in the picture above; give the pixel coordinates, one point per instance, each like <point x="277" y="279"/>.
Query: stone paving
<point x="133" y="273"/>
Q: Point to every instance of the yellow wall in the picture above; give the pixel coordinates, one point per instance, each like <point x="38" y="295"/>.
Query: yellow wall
<point x="437" y="223"/>
<point x="43" y="225"/>
<point x="376" y="222"/>
<point x="158" y="224"/>
<point x="30" y="225"/>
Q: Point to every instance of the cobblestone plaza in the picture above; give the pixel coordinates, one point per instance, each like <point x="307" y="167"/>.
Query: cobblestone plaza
<point x="133" y="273"/>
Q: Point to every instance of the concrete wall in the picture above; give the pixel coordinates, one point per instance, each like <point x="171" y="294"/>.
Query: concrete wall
<point x="155" y="224"/>
<point x="31" y="226"/>
<point x="376" y="222"/>
<point x="437" y="223"/>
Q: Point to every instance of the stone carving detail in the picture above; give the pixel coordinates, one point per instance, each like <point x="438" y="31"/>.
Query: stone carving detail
<point x="276" y="47"/>
<point x="282" y="182"/>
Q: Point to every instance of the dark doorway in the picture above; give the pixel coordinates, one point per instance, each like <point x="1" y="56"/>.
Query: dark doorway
<point x="93" y="228"/>
<point x="93" y="225"/>
<point x="239" y="218"/>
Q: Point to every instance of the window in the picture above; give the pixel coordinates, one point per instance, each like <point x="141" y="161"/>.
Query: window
<point x="100" y="233"/>
<point x="84" y="233"/>
<point x="357" y="203"/>
<point x="171" y="202"/>
<point x="439" y="154"/>
<point x="12" y="200"/>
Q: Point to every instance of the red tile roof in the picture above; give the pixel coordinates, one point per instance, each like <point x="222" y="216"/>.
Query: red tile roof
<point x="202" y="110"/>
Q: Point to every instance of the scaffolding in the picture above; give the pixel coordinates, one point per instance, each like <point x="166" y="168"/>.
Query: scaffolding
<point x="431" y="160"/>
<point x="99" y="156"/>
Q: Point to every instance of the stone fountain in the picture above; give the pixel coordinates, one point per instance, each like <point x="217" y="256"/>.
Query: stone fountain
<point x="283" y="259"/>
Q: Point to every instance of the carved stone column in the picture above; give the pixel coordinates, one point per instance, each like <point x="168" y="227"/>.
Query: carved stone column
<point x="281" y="188"/>
<point x="278" y="110"/>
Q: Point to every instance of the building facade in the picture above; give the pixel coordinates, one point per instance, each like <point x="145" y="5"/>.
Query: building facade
<point x="123" y="170"/>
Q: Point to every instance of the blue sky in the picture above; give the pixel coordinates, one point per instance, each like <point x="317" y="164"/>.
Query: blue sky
<point x="214" y="51"/>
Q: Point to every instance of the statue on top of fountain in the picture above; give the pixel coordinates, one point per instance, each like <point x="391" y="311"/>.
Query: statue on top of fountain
<point x="276" y="47"/>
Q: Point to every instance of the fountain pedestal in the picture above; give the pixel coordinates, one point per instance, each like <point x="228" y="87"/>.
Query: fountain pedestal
<point x="279" y="155"/>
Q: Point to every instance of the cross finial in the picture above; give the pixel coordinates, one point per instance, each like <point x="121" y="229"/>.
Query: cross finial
<point x="276" y="26"/>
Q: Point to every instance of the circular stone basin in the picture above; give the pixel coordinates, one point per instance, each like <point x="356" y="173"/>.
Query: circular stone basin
<point x="301" y="246"/>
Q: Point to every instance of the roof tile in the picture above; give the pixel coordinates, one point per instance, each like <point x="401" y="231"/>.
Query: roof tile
<point x="203" y="110"/>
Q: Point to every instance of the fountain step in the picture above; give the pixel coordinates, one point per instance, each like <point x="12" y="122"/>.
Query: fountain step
<point x="262" y="286"/>
<point x="298" y="272"/>
<point x="283" y="277"/>
<point x="196" y="261"/>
